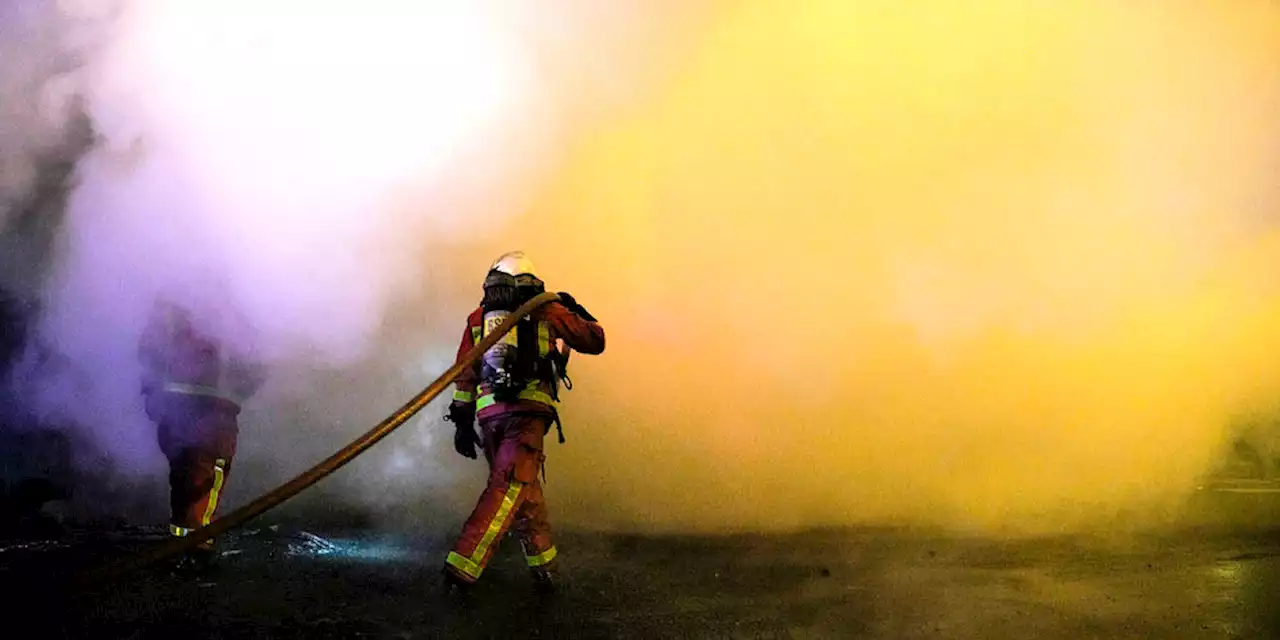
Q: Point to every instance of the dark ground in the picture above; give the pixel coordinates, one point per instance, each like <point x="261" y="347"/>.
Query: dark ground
<point x="1203" y="582"/>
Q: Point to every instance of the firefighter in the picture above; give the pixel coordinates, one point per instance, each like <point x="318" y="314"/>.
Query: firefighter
<point x="192" y="390"/>
<point x="512" y="392"/>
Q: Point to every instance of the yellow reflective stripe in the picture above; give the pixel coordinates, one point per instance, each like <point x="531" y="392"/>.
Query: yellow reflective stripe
<point x="179" y="531"/>
<point x="463" y="396"/>
<point x="528" y="394"/>
<point x="198" y="390"/>
<point x="535" y="394"/>
<point x="542" y="558"/>
<point x="213" y="493"/>
<point x="476" y="334"/>
<point x="544" y="339"/>
<point x="471" y="566"/>
<point x="464" y="565"/>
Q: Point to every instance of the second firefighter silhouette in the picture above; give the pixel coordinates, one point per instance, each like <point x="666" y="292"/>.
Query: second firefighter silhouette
<point x="193" y="388"/>
<point x="512" y="392"/>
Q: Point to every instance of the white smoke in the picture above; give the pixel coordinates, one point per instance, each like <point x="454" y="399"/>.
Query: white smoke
<point x="302" y="175"/>
<point x="32" y="116"/>
<point x="40" y="47"/>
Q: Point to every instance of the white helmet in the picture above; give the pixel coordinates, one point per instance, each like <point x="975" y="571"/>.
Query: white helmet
<point x="514" y="263"/>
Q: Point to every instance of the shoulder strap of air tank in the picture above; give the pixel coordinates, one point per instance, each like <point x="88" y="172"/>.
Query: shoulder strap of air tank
<point x="559" y="429"/>
<point x="527" y="348"/>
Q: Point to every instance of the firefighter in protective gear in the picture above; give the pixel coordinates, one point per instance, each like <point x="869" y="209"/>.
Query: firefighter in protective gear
<point x="512" y="393"/>
<point x="192" y="390"/>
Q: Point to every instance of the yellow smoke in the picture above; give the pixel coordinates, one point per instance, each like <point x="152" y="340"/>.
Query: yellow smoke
<point x="1000" y="265"/>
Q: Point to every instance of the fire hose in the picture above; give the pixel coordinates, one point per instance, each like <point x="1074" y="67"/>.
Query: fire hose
<point x="271" y="499"/>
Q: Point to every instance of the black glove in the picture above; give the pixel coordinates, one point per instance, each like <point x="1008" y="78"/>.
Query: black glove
<point x="463" y="416"/>
<point x="465" y="441"/>
<point x="572" y="305"/>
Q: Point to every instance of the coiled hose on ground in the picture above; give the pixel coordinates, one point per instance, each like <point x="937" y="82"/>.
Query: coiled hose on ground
<point x="115" y="570"/>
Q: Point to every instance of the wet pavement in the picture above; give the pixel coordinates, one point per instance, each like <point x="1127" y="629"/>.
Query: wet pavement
<point x="289" y="582"/>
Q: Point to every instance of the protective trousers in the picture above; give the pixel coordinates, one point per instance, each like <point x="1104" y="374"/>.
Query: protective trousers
<point x="512" y="499"/>
<point x="198" y="436"/>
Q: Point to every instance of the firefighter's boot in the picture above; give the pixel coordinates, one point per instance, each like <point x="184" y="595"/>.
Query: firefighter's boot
<point x="545" y="581"/>
<point x="196" y="563"/>
<point x="455" y="589"/>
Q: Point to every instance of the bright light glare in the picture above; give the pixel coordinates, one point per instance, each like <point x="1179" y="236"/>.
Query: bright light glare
<point x="361" y="97"/>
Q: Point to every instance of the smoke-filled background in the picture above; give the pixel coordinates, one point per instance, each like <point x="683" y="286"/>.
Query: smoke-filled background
<point x="995" y="265"/>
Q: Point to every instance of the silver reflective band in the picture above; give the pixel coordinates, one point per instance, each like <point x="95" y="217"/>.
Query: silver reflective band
<point x="198" y="390"/>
